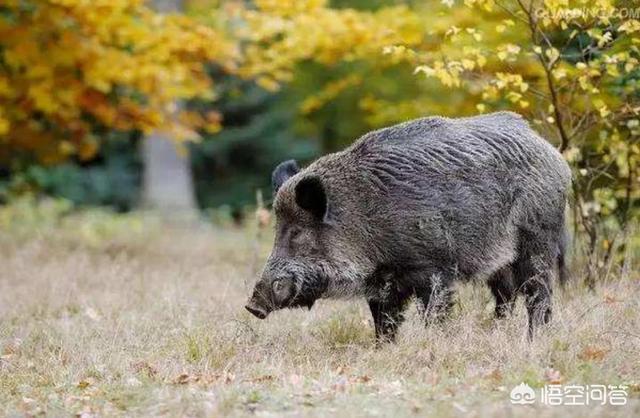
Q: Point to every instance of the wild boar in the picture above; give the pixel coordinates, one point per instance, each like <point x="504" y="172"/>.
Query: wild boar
<point x="410" y="209"/>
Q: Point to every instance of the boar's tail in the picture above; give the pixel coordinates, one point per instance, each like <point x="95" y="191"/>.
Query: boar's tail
<point x="563" y="243"/>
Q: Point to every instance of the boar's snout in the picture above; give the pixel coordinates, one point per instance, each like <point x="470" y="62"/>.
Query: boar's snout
<point x="256" y="310"/>
<point x="258" y="304"/>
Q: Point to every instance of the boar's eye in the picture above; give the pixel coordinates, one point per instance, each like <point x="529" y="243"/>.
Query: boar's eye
<point x="283" y="291"/>
<point x="280" y="290"/>
<point x="294" y="233"/>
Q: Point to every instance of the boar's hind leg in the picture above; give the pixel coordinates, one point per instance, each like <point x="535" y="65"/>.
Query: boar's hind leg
<point x="533" y="270"/>
<point x="388" y="314"/>
<point x="503" y="290"/>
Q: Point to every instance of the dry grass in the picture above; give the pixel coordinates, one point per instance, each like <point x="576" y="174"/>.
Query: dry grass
<point x="125" y="318"/>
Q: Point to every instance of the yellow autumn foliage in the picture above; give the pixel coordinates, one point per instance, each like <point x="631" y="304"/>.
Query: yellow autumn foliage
<point x="281" y="34"/>
<point x="69" y="67"/>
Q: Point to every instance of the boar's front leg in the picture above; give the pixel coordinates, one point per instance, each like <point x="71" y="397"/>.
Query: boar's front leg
<point x="435" y="298"/>
<point x="387" y="309"/>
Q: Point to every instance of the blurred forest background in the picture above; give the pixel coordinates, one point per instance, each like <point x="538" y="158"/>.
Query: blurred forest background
<point x="186" y="106"/>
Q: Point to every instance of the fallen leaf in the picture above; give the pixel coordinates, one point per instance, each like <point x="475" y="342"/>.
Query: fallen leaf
<point x="553" y="376"/>
<point x="185" y="378"/>
<point x="611" y="299"/>
<point x="228" y="377"/>
<point x="363" y="379"/>
<point x="494" y="375"/>
<point x="262" y="379"/>
<point x="145" y="368"/>
<point x="592" y="353"/>
<point x="12" y="347"/>
<point x="85" y="383"/>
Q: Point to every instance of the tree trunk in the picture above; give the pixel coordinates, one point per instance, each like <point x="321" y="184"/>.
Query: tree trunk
<point x="167" y="6"/>
<point x="167" y="178"/>
<point x="167" y="185"/>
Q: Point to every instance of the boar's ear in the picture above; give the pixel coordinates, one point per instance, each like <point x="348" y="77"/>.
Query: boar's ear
<point x="282" y="173"/>
<point x="311" y="196"/>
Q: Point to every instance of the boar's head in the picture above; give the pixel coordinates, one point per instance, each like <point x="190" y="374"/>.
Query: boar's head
<point x="312" y="256"/>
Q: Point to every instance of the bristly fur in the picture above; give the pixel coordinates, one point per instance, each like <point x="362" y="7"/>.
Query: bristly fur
<point x="458" y="199"/>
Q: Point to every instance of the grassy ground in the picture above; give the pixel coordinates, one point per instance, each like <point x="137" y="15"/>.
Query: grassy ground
<point x="107" y="317"/>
